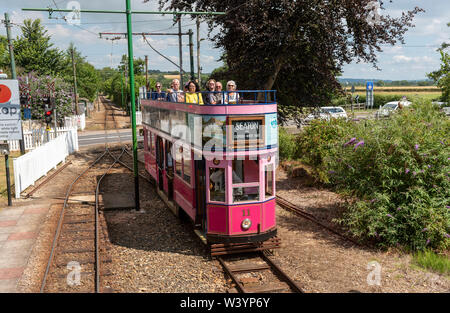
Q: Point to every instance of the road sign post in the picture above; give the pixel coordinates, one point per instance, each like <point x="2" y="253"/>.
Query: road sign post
<point x="369" y="94"/>
<point x="4" y="149"/>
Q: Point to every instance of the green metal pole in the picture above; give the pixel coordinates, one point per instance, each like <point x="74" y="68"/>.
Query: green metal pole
<point x="133" y="105"/>
<point x="13" y="71"/>
<point x="191" y="53"/>
<point x="121" y="86"/>
<point x="11" y="50"/>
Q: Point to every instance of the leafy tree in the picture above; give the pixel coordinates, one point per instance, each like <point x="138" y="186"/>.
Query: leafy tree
<point x="296" y="47"/>
<point x="441" y="76"/>
<point x="4" y="55"/>
<point x="33" y="50"/>
<point x="88" y="78"/>
<point x="138" y="65"/>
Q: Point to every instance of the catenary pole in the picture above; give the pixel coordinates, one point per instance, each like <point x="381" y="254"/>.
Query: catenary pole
<point x="133" y="105"/>
<point x="180" y="51"/>
<point x="13" y="71"/>
<point x="198" y="53"/>
<point x="191" y="53"/>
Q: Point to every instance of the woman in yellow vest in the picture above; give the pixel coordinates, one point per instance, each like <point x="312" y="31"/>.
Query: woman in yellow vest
<point x="193" y="95"/>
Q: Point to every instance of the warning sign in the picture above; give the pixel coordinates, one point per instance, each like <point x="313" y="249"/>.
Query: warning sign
<point x="10" y="117"/>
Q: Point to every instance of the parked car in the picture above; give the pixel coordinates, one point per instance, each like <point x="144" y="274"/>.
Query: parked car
<point x="325" y="113"/>
<point x="444" y="107"/>
<point x="390" y="107"/>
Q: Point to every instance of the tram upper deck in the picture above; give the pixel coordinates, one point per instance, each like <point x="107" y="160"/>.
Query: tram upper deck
<point x="248" y="124"/>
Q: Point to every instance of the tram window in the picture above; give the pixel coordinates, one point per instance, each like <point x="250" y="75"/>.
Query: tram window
<point x="187" y="168"/>
<point x="241" y="194"/>
<point x="217" y="184"/>
<point x="178" y="163"/>
<point x="150" y="142"/>
<point x="269" y="180"/>
<point x="245" y="171"/>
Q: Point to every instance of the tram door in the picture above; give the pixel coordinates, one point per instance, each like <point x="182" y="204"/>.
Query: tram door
<point x="169" y="169"/>
<point x="160" y="161"/>
<point x="200" y="176"/>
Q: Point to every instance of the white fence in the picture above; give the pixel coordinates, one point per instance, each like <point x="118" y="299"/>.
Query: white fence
<point x="31" y="166"/>
<point x="36" y="138"/>
<point x="138" y="118"/>
<point x="78" y="121"/>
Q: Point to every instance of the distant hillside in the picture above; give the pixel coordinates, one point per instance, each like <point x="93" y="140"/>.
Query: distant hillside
<point x="387" y="82"/>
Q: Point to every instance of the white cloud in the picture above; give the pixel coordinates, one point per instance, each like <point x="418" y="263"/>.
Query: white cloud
<point x="406" y="59"/>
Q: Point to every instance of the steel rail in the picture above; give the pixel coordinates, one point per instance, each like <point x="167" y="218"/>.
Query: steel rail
<point x="61" y="216"/>
<point x="285" y="204"/>
<point x="239" y="286"/>
<point x="97" y="254"/>
<point x="280" y="272"/>
<point x="48" y="179"/>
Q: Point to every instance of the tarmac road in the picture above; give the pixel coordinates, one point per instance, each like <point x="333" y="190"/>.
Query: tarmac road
<point x="88" y="138"/>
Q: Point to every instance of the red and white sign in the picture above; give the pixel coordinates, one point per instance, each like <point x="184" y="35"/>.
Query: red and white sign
<point x="10" y="115"/>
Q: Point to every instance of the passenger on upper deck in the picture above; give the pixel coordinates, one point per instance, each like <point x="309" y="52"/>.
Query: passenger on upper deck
<point x="175" y="94"/>
<point x="194" y="96"/>
<point x="158" y="94"/>
<point x="219" y="93"/>
<point x="231" y="97"/>
<point x="211" y="95"/>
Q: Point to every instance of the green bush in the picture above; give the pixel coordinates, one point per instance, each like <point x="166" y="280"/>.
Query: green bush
<point x="398" y="169"/>
<point x="287" y="145"/>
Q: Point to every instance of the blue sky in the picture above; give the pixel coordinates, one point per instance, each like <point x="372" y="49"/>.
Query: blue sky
<point x="412" y="60"/>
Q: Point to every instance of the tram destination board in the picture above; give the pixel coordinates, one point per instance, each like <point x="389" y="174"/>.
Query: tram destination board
<point x="246" y="131"/>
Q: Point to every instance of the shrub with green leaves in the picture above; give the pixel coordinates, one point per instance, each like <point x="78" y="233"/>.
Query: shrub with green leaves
<point x="287" y="146"/>
<point x="397" y="169"/>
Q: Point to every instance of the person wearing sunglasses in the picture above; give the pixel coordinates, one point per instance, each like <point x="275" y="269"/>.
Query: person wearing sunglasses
<point x="219" y="93"/>
<point x="193" y="95"/>
<point x="158" y="94"/>
<point x="211" y="95"/>
<point x="231" y="97"/>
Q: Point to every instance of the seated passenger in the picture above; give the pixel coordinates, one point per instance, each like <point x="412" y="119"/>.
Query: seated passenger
<point x="158" y="94"/>
<point x="193" y="95"/>
<point x="175" y="94"/>
<point x="211" y="95"/>
<point x="219" y="93"/>
<point x="231" y="97"/>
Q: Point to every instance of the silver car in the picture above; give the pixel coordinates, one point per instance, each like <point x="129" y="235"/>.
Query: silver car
<point x="325" y="113"/>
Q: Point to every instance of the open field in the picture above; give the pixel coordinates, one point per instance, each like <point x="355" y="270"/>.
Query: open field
<point x="401" y="88"/>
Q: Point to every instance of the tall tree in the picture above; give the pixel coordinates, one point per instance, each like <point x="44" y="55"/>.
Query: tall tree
<point x="4" y="55"/>
<point x="297" y="46"/>
<point x="33" y="50"/>
<point x="88" y="78"/>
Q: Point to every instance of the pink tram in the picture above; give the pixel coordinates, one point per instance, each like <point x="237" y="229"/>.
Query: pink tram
<point x="216" y="163"/>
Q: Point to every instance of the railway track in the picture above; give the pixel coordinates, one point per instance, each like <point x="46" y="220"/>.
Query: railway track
<point x="80" y="243"/>
<point x="285" y="204"/>
<point x="257" y="274"/>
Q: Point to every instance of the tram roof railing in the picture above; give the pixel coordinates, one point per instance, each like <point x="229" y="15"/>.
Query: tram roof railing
<point x="237" y="97"/>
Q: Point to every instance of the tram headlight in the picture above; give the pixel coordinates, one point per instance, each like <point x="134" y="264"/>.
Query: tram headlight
<point x="246" y="224"/>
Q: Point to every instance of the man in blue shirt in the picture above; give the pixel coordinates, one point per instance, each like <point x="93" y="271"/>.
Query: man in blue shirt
<point x="175" y="94"/>
<point x="158" y="94"/>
